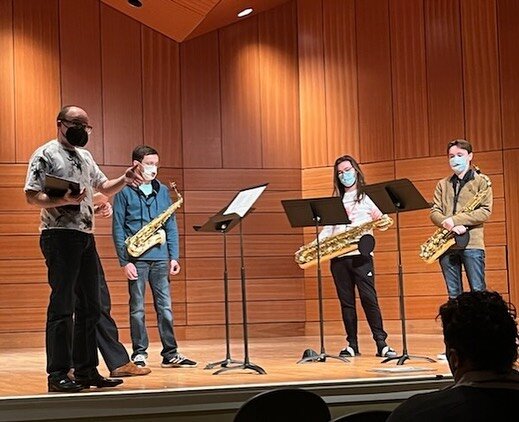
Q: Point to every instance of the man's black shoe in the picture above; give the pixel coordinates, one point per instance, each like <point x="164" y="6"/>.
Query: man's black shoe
<point x="99" y="382"/>
<point x="63" y="385"/>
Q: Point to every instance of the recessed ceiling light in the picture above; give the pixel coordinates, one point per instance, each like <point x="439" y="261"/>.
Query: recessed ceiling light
<point x="245" y="12"/>
<point x="135" y="3"/>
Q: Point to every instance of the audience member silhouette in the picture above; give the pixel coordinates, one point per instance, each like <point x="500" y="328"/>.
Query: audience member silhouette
<point x="481" y="342"/>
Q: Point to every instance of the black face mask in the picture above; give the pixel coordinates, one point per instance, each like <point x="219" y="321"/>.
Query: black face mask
<point x="76" y="136"/>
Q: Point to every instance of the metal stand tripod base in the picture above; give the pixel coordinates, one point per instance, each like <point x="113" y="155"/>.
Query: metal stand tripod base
<point x="405" y="356"/>
<point x="224" y="363"/>
<point x="256" y="368"/>
<point x="321" y="358"/>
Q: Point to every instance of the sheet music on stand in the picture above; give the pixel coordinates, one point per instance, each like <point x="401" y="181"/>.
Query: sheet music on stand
<point x="241" y="206"/>
<point x="244" y="200"/>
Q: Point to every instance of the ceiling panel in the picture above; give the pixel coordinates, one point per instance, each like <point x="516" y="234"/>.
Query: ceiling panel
<point x="186" y="19"/>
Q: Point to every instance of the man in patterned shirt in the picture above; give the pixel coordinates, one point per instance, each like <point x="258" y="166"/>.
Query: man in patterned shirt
<point x="67" y="243"/>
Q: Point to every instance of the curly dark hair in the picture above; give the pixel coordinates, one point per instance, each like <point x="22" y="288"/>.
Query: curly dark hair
<point x="482" y="328"/>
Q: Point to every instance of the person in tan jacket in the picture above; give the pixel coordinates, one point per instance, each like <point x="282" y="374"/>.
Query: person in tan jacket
<point x="462" y="203"/>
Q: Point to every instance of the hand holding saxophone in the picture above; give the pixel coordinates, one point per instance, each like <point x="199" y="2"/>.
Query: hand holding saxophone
<point x="448" y="223"/>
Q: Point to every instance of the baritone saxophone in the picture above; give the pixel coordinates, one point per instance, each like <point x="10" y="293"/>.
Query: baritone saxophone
<point x="340" y="244"/>
<point x="152" y="233"/>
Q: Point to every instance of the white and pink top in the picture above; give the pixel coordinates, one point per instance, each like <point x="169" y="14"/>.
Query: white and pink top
<point x="358" y="212"/>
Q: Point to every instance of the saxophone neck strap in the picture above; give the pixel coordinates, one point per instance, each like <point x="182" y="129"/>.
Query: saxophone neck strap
<point x="457" y="185"/>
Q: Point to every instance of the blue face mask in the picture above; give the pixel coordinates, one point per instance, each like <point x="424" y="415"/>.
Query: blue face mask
<point x="459" y="164"/>
<point x="348" y="178"/>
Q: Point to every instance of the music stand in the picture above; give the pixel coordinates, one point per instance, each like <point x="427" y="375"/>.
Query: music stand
<point x="397" y="196"/>
<point x="222" y="224"/>
<point x="241" y="205"/>
<point x="315" y="212"/>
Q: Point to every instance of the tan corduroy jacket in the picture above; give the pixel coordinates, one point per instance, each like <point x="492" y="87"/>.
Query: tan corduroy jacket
<point x="443" y="203"/>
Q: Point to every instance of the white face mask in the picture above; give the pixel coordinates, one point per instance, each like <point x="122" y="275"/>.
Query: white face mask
<point x="150" y="172"/>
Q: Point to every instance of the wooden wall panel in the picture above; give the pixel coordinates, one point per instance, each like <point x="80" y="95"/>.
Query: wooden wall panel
<point x="511" y="171"/>
<point x="257" y="312"/>
<point x="409" y="79"/>
<point x="444" y="73"/>
<point x="7" y="135"/>
<point x="260" y="289"/>
<point x="481" y="74"/>
<point x="80" y="60"/>
<point x="201" y="126"/>
<point x="280" y="142"/>
<point x="255" y="267"/>
<point x="312" y="101"/>
<point x="374" y="71"/>
<point x="161" y="97"/>
<point x="122" y="88"/>
<point x="261" y="330"/>
<point x="340" y="61"/>
<point x="33" y="271"/>
<point x="240" y="95"/>
<point x="37" y="93"/>
<point x="508" y="31"/>
<point x="236" y="179"/>
<point x="210" y="245"/>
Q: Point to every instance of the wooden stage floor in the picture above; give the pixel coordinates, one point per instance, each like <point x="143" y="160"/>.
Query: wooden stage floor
<point x="23" y="378"/>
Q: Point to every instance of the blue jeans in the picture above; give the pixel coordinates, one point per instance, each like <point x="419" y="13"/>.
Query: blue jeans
<point x="473" y="260"/>
<point x="157" y="273"/>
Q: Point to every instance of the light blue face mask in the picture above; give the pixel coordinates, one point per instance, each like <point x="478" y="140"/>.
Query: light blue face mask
<point x="459" y="164"/>
<point x="348" y="178"/>
<point x="146" y="188"/>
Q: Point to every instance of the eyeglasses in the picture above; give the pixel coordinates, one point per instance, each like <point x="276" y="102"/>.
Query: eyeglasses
<point x="76" y="123"/>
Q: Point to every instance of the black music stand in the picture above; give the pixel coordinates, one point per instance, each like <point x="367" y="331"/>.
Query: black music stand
<point x="222" y="224"/>
<point x="315" y="212"/>
<point x="241" y="205"/>
<point x="398" y="196"/>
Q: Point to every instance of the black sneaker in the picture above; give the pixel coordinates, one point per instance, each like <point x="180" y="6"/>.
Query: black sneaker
<point x="386" y="352"/>
<point x="178" y="361"/>
<point x="349" y="352"/>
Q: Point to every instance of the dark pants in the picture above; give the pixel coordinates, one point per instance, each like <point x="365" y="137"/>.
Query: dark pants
<point x="113" y="351"/>
<point x="351" y="271"/>
<point x="72" y="264"/>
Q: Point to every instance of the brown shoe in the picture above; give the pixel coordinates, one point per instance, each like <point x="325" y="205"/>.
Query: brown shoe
<point x="129" y="370"/>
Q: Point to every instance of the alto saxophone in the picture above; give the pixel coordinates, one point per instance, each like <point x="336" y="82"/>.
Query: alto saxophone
<point x="443" y="239"/>
<point x="152" y="233"/>
<point x="306" y="255"/>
